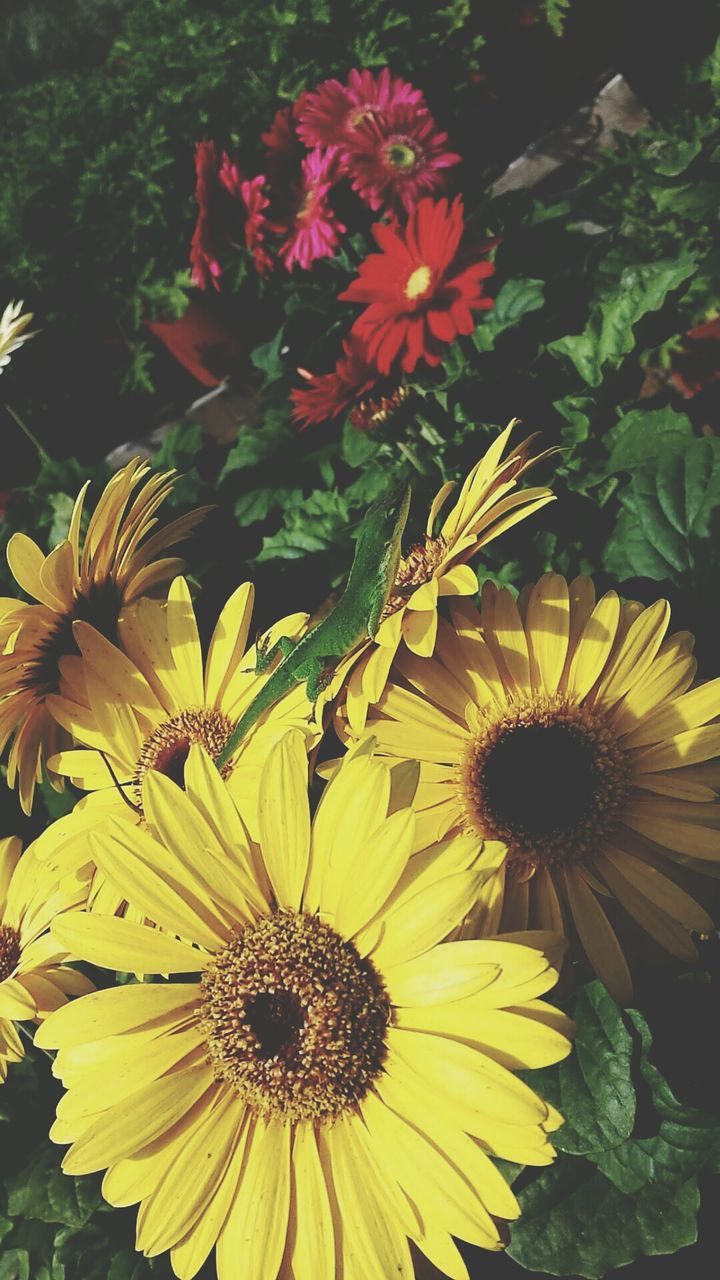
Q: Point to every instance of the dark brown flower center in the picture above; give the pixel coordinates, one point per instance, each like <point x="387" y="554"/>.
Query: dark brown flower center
<point x="167" y="748"/>
<point x="100" y="607"/>
<point x="546" y="777"/>
<point x="295" y="1019"/>
<point x="9" y="950"/>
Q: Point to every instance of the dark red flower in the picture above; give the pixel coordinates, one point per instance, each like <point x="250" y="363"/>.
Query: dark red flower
<point x="284" y="151"/>
<point x="419" y="296"/>
<point x="250" y="192"/>
<point x="207" y="238"/>
<point x="327" y="115"/>
<point x="314" y="229"/>
<point x="327" y="395"/>
<point x="397" y="156"/>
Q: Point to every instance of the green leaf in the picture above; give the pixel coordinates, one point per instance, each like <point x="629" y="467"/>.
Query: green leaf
<point x="575" y="1222"/>
<point x="258" y="504"/>
<point x="256" y="445"/>
<point x="61" y="506"/>
<point x="517" y="298"/>
<point x="357" y="446"/>
<point x="608" y="337"/>
<point x="670" y="513"/>
<point x="314" y="525"/>
<point x="269" y="359"/>
<point x="593" y="1088"/>
<point x="602" y="1206"/>
<point x="41" y="1190"/>
<point x="642" y="435"/>
<point x="15" y="1265"/>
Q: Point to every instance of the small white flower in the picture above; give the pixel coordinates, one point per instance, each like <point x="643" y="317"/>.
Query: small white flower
<point x="12" y="331"/>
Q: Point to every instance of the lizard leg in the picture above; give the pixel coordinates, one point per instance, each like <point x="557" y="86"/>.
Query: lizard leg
<point x="265" y="653"/>
<point x="319" y="674"/>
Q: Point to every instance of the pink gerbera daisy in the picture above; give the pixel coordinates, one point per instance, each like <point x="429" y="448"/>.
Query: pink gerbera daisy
<point x="250" y="191"/>
<point x="326" y="395"/>
<point x="314" y="229"/>
<point x="397" y="156"/>
<point x="419" y="295"/>
<point x="334" y="109"/>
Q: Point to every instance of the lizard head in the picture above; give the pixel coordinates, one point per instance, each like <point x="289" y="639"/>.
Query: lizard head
<point x="379" y="547"/>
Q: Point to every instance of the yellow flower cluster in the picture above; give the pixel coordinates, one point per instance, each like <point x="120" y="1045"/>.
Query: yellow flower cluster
<point x="322" y="1071"/>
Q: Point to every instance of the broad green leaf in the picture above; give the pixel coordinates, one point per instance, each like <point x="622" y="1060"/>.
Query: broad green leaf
<point x="258" y="503"/>
<point x="41" y="1190"/>
<point x="643" y="434"/>
<point x="15" y="1265"/>
<point x="269" y="358"/>
<point x="626" y="1196"/>
<point x="516" y="299"/>
<point x="668" y="524"/>
<point x="608" y="336"/>
<point x="592" y="1088"/>
<point x="575" y="1222"/>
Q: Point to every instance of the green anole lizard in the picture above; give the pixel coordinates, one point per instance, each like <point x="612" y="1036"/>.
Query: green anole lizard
<point x="356" y="616"/>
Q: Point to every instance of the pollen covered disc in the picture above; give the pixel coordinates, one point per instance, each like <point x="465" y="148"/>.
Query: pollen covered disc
<point x="294" y="1018"/>
<point x="167" y="748"/>
<point x="9" y="950"/>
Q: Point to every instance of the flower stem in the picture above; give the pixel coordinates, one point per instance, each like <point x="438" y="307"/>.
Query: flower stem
<point x="41" y="450"/>
<point x="30" y="1039"/>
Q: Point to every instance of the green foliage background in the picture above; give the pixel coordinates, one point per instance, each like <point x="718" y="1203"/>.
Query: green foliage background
<point x="599" y="275"/>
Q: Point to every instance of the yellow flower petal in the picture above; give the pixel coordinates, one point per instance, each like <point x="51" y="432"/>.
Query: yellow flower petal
<point x="548" y="620"/>
<point x="185" y="642"/>
<point x="369" y="880"/>
<point x="450" y="971"/>
<point x="114" y="943"/>
<point x="257" y="1223"/>
<point x="119" y="1009"/>
<point x="313" y="1246"/>
<point x="423" y="919"/>
<point x="428" y="1176"/>
<point x="192" y="1179"/>
<point x="16" y="1002"/>
<point x="170" y="897"/>
<point x="284" y="816"/>
<point x="154" y="1109"/>
<point x="594" y="646"/>
<point x="228" y="642"/>
<point x="375" y="1247"/>
<point x="598" y="937"/>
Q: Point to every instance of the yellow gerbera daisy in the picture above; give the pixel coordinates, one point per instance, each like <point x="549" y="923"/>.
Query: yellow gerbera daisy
<point x="34" y="978"/>
<point x="142" y="706"/>
<point x="116" y="564"/>
<point x="436" y="567"/>
<point x="335" y="1080"/>
<point x="569" y="731"/>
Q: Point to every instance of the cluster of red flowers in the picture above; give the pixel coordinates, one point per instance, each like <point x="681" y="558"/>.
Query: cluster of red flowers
<point x="376" y="132"/>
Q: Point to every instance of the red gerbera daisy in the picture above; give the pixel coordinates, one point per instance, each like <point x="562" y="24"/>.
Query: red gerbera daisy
<point x="326" y="395"/>
<point x="333" y="109"/>
<point x="397" y="155"/>
<point x="204" y="247"/>
<point x="314" y="230"/>
<point x="250" y="191"/>
<point x="419" y="296"/>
